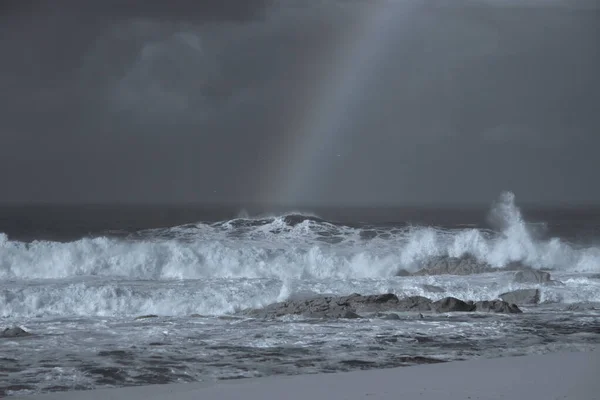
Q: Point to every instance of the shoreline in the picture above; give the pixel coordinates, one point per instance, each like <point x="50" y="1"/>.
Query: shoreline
<point x="563" y="375"/>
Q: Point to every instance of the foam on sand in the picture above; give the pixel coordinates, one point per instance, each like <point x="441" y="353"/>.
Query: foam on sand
<point x="567" y="375"/>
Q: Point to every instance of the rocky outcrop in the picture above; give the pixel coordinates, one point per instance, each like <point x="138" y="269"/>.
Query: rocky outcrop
<point x="522" y="296"/>
<point x="467" y="265"/>
<point x="595" y="276"/>
<point x="149" y="316"/>
<point x="530" y="275"/>
<point x="372" y="303"/>
<point x="354" y="305"/>
<point x="318" y="307"/>
<point x="14" y="332"/>
<point x="452" y="304"/>
<point x="497" y="306"/>
<point x="413" y="304"/>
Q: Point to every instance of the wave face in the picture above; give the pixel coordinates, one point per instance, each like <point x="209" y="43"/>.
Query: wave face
<point x="291" y="246"/>
<point x="221" y="267"/>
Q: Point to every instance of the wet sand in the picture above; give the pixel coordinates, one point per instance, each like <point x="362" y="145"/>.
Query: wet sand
<point x="567" y="375"/>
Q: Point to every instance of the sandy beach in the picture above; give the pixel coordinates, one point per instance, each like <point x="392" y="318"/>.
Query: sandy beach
<point x="566" y="375"/>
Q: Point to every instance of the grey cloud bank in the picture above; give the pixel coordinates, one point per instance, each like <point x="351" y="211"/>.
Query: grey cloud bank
<point x="139" y="102"/>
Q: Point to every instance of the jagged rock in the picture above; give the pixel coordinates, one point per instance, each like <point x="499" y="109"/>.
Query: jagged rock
<point x="452" y="304"/>
<point x="467" y="265"/>
<point x="497" y="306"/>
<point x="414" y="303"/>
<point x="14" y="332"/>
<point x="146" y="316"/>
<point x="522" y="296"/>
<point x="341" y="307"/>
<point x="351" y="306"/>
<point x="371" y="303"/>
<point x="385" y="302"/>
<point x="527" y="274"/>
<point x="531" y="275"/>
<point x="433" y="288"/>
<point x="318" y="307"/>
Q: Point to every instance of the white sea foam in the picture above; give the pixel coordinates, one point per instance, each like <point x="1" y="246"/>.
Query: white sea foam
<point x="117" y="298"/>
<point x="276" y="248"/>
<point x="218" y="268"/>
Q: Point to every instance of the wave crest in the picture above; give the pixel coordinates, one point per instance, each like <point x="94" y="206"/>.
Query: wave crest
<point x="288" y="247"/>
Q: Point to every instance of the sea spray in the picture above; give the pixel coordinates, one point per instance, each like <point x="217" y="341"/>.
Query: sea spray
<point x="289" y="246"/>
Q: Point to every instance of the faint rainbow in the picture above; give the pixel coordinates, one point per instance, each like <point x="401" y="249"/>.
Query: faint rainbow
<point x="301" y="164"/>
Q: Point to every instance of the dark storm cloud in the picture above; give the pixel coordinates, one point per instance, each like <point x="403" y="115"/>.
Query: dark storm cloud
<point x="149" y="101"/>
<point x="219" y="10"/>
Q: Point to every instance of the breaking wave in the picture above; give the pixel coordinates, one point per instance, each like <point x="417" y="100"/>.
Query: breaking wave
<point x="218" y="268"/>
<point x="292" y="246"/>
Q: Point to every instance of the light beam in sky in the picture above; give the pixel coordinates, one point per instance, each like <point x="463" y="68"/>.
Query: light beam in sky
<point x="305" y="161"/>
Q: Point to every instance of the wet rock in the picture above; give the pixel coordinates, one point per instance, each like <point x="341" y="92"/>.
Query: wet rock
<point x="522" y="296"/>
<point x="341" y="306"/>
<point x="527" y="274"/>
<point x="467" y="265"/>
<point x="403" y="272"/>
<point x="497" y="306"/>
<point x="378" y="302"/>
<point x="433" y="288"/>
<point x="319" y="307"/>
<point x="14" y="332"/>
<point x="146" y="316"/>
<point x="452" y="304"/>
<point x="384" y="302"/>
<point x="414" y="303"/>
<point x="531" y="275"/>
<point x="595" y="276"/>
<point x="352" y="306"/>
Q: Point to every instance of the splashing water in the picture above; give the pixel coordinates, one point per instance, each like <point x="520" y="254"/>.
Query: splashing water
<point x="289" y="246"/>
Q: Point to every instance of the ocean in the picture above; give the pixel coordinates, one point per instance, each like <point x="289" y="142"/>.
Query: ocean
<point x="78" y="278"/>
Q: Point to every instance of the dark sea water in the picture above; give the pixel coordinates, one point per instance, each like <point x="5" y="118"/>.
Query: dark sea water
<point x="72" y="222"/>
<point x="77" y="278"/>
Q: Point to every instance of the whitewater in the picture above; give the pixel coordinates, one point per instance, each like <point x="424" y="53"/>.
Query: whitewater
<point x="82" y="299"/>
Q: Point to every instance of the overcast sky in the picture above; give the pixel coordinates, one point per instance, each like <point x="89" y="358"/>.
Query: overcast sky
<point x="144" y="101"/>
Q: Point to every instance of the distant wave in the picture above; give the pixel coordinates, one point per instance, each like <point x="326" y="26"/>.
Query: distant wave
<point x="287" y="247"/>
<point x="222" y="267"/>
